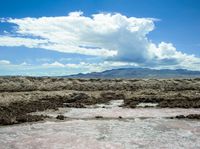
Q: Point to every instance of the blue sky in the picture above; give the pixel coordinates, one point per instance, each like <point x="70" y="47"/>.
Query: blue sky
<point x="64" y="37"/>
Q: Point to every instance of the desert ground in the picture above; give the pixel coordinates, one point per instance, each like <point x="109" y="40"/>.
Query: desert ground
<point x="45" y="112"/>
<point x="20" y="96"/>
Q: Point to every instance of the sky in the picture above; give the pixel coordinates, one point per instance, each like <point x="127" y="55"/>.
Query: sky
<point x="63" y="37"/>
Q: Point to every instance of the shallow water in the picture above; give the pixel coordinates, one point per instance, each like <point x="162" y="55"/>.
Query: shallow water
<point x="84" y="131"/>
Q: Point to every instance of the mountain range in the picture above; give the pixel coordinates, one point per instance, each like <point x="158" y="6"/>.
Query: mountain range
<point x="139" y="73"/>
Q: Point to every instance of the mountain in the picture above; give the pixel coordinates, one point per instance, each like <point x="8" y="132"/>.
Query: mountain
<point x="139" y="73"/>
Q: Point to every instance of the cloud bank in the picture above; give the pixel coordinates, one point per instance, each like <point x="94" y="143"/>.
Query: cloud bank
<point x="57" y="68"/>
<point x="114" y="37"/>
<point x="4" y="62"/>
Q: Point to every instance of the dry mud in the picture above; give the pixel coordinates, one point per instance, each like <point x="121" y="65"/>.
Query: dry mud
<point x="20" y="96"/>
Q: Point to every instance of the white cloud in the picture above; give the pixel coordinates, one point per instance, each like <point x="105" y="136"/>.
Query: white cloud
<point x="76" y="14"/>
<point x="25" y="64"/>
<point x="74" y="32"/>
<point x="167" y="56"/>
<point x="4" y="62"/>
<point x="54" y="64"/>
<point x="113" y="36"/>
<point x="19" y="41"/>
<point x="89" y="67"/>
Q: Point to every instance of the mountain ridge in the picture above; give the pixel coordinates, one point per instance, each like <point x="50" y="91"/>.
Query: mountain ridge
<point x="139" y="73"/>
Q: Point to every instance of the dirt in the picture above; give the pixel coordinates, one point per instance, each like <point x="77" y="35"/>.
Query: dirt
<point x="20" y="96"/>
<point x="164" y="100"/>
<point x="18" y="111"/>
<point x="98" y="116"/>
<point x="190" y="116"/>
<point x="22" y="84"/>
<point x="60" y="117"/>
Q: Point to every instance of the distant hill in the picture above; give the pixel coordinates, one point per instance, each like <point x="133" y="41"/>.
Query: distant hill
<point x="139" y="73"/>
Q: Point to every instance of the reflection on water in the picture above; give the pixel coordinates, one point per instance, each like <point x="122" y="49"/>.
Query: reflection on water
<point x="146" y="133"/>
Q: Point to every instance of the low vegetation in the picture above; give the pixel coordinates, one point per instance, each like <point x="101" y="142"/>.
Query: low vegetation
<point x="21" y="95"/>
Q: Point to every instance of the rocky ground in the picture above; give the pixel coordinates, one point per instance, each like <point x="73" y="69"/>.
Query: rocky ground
<point x="20" y="96"/>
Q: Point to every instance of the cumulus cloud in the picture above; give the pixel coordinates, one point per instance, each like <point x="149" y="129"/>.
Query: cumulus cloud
<point x="166" y="55"/>
<point x="115" y="37"/>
